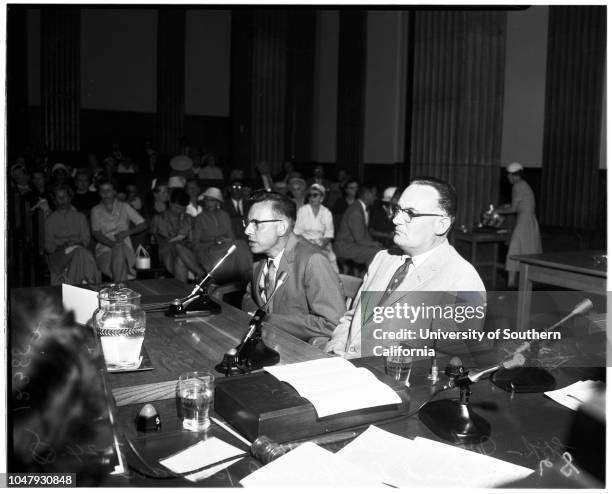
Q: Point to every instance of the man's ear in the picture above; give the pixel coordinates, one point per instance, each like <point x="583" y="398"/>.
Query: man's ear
<point x="282" y="227"/>
<point x="443" y="225"/>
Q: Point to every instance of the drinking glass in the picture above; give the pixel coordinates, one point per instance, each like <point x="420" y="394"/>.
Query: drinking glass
<point x="194" y="396"/>
<point x="398" y="363"/>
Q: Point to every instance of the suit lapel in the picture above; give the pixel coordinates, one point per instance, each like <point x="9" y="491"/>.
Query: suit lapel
<point x="285" y="265"/>
<point x="257" y="269"/>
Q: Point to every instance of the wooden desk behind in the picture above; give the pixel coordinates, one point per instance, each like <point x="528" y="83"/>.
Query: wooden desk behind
<point x="476" y="241"/>
<point x="572" y="270"/>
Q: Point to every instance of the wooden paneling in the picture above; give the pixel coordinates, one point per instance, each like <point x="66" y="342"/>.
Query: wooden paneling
<point x="574" y="91"/>
<point x="269" y="87"/>
<point x="351" y="91"/>
<point x="170" y="78"/>
<point x="60" y="78"/>
<point x="457" y="103"/>
<point x="300" y="85"/>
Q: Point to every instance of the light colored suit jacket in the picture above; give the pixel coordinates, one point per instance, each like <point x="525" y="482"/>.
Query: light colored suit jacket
<point x="445" y="271"/>
<point x="310" y="303"/>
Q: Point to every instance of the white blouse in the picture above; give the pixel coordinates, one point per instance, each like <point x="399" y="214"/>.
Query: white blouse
<point x="314" y="228"/>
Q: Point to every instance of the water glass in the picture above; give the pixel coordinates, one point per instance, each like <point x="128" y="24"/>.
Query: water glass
<point x="398" y="363"/>
<point x="194" y="396"/>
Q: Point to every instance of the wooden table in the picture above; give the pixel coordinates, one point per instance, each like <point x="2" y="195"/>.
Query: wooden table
<point x="525" y="428"/>
<point x="572" y="270"/>
<point x="476" y="238"/>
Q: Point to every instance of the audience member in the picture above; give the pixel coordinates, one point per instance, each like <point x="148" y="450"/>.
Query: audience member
<point x="193" y="191"/>
<point x="381" y="227"/>
<point x="67" y="240"/>
<point x="44" y="199"/>
<point x="314" y="223"/>
<point x="172" y="230"/>
<point x="353" y="241"/>
<point x="182" y="164"/>
<point x="297" y="191"/>
<point x="264" y="177"/>
<point x="111" y="222"/>
<point x="59" y="174"/>
<point x="288" y="172"/>
<point x="349" y="195"/>
<point x="235" y="206"/>
<point x="161" y="196"/>
<point x="209" y="168"/>
<point x="84" y="199"/>
<point x="310" y="302"/>
<point x="213" y="235"/>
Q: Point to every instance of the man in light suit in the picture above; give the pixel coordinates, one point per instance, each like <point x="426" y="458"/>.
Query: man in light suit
<point x="422" y="218"/>
<point x="353" y="241"/>
<point x="310" y="302"/>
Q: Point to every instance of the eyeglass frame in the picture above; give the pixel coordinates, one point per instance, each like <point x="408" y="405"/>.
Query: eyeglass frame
<point x="256" y="223"/>
<point x="396" y="209"/>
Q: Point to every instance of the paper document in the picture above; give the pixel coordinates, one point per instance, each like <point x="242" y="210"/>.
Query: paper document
<point x="310" y="464"/>
<point x="335" y="385"/>
<point x="403" y="462"/>
<point x="201" y="454"/>
<point x="577" y="394"/>
<point x="82" y="301"/>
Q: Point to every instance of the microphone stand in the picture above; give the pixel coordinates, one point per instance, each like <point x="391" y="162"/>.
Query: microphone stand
<point x="532" y="379"/>
<point x="454" y="420"/>
<point x="198" y="303"/>
<point x="252" y="353"/>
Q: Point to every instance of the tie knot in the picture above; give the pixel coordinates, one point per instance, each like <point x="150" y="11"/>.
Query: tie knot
<point x="270" y="263"/>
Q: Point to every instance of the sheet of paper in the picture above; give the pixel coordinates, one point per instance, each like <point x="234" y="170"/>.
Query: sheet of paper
<point x="335" y="385"/>
<point x="577" y="394"/>
<point x="201" y="454"/>
<point x="82" y="301"/>
<point x="309" y="465"/>
<point x="403" y="462"/>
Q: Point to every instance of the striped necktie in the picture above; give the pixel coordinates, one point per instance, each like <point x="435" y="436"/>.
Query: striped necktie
<point x="269" y="278"/>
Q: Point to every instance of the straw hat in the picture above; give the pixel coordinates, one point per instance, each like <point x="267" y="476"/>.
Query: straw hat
<point x="213" y="193"/>
<point x="514" y="167"/>
<point x="177" y="182"/>
<point x="318" y="187"/>
<point x="388" y="194"/>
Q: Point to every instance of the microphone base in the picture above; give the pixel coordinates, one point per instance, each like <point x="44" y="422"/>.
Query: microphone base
<point x="228" y="370"/>
<point x="202" y="306"/>
<point x="524" y="380"/>
<point x="455" y="422"/>
<point x="261" y="356"/>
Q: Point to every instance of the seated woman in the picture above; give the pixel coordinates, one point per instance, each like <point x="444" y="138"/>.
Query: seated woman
<point x="172" y="230"/>
<point x="315" y="223"/>
<point x="213" y="235"/>
<point x="66" y="242"/>
<point x="110" y="225"/>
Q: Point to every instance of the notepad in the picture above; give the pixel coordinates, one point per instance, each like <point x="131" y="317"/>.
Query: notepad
<point x="82" y="301"/>
<point x="310" y="465"/>
<point x="201" y="454"/>
<point x="335" y="385"/>
<point x="421" y="462"/>
<point x="577" y="394"/>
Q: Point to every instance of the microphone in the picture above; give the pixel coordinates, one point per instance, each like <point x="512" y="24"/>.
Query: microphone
<point x="579" y="309"/>
<point x="198" y="286"/>
<point x="260" y="313"/>
<point x="473" y="376"/>
<point x="257" y="353"/>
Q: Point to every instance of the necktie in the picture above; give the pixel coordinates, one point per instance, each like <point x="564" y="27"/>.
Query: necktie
<point x="397" y="278"/>
<point x="270" y="279"/>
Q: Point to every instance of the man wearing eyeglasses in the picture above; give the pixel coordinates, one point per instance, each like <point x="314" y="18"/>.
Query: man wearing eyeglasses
<point x="425" y="262"/>
<point x="310" y="302"/>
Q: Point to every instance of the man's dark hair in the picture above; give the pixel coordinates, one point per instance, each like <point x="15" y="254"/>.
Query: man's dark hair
<point x="447" y="194"/>
<point x="180" y="197"/>
<point x="364" y="188"/>
<point x="281" y="203"/>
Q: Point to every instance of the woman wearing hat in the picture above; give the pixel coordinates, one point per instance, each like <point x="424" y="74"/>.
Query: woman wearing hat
<point x="213" y="235"/>
<point x="526" y="233"/>
<point x="297" y="190"/>
<point x="315" y="223"/>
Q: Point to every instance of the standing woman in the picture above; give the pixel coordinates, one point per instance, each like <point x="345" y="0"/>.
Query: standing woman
<point x="526" y="233"/>
<point x="314" y="222"/>
<point x="213" y="235"/>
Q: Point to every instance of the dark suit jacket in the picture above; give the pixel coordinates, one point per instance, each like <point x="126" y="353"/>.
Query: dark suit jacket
<point x="310" y="303"/>
<point x="353" y="241"/>
<point x="236" y="217"/>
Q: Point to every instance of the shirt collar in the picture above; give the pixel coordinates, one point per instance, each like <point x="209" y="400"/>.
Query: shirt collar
<point x="277" y="259"/>
<point x="421" y="258"/>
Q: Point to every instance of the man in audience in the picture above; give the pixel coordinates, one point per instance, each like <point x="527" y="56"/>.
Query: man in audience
<point x="66" y="243"/>
<point x="381" y="227"/>
<point x="310" y="302"/>
<point x="112" y="223"/>
<point x="84" y="199"/>
<point x="353" y="241"/>
<point x="236" y="207"/>
<point x="425" y="263"/>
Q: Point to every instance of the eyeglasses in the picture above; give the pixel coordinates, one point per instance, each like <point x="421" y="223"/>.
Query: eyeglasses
<point x="315" y="194"/>
<point x="236" y="186"/>
<point x="256" y="223"/>
<point x="395" y="210"/>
